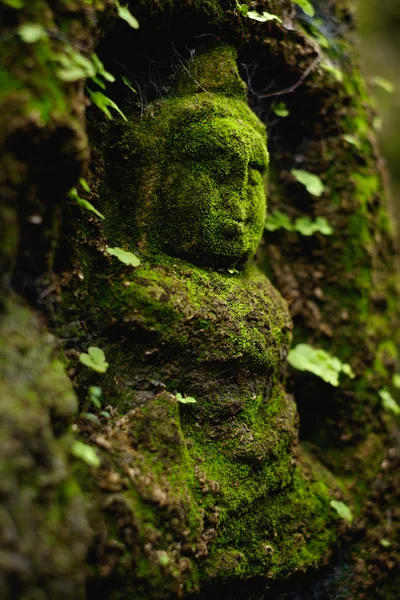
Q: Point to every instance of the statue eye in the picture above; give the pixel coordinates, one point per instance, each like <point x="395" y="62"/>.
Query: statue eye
<point x="256" y="173"/>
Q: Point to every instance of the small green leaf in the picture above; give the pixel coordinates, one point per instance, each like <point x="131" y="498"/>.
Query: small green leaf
<point x="278" y="220"/>
<point x="105" y="414"/>
<point x="186" y="399"/>
<point x="90" y="417"/>
<point x="88" y="206"/>
<point x="97" y="354"/>
<point x="125" y="14"/>
<point x="351" y="139"/>
<point x="95" y="359"/>
<point x="318" y="362"/>
<point x="396" y="381"/>
<point x="323" y="226"/>
<point x="384" y="84"/>
<point x="388" y="402"/>
<point x="31" y="33"/>
<point x="101" y="70"/>
<point x="84" y="184"/>
<point x="306" y="6"/>
<point x="103" y="102"/>
<point x="73" y="194"/>
<point x="312" y="183"/>
<point x="280" y="109"/>
<point x="85" y="453"/>
<point x="385" y="543"/>
<point x="264" y="17"/>
<point x="342" y="510"/>
<point x="305" y="226"/>
<point x="95" y="390"/>
<point x="128" y="83"/>
<point x="128" y="258"/>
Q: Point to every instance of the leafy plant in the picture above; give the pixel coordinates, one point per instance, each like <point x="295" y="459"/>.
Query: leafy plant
<point x="95" y="359"/>
<point x="304" y="225"/>
<point x="280" y="109"/>
<point x="74" y="195"/>
<point x="128" y="258"/>
<point x="253" y="14"/>
<point x="342" y="510"/>
<point x="306" y="6"/>
<point x="388" y="402"/>
<point x="185" y="399"/>
<point x="85" y="453"/>
<point x="385" y="543"/>
<point x="318" y="362"/>
<point x="311" y="182"/>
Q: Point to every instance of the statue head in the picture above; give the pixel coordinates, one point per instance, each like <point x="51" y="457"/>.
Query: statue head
<point x="203" y="179"/>
<point x="211" y="197"/>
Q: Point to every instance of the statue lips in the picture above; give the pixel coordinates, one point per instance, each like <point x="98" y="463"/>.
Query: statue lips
<point x="233" y="228"/>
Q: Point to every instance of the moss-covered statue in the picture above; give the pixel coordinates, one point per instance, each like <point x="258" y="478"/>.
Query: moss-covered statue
<point x="204" y="455"/>
<point x="177" y="469"/>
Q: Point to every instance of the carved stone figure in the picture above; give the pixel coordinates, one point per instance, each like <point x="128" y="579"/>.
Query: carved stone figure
<point x="218" y="478"/>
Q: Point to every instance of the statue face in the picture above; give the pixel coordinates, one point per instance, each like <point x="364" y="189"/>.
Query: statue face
<point x="213" y="190"/>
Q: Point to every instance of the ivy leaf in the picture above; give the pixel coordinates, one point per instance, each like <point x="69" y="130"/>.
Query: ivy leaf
<point x="342" y="510"/>
<point x="280" y="109"/>
<point x="95" y="359"/>
<point x="264" y="17"/>
<point x="103" y="102"/>
<point x="85" y="453"/>
<point x="306" y="6"/>
<point x="311" y="182"/>
<point x="388" y="402"/>
<point x="185" y="399"/>
<point x="31" y="33"/>
<point x="128" y="258"/>
<point x="318" y="362"/>
<point x="125" y="14"/>
<point x="384" y="84"/>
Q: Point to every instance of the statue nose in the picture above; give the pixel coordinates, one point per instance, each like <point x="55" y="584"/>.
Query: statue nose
<point x="235" y="204"/>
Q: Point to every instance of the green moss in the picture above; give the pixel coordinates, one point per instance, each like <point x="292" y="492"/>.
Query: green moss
<point x="46" y="523"/>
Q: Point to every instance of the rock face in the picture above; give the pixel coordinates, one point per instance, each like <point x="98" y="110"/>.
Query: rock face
<point x="202" y="480"/>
